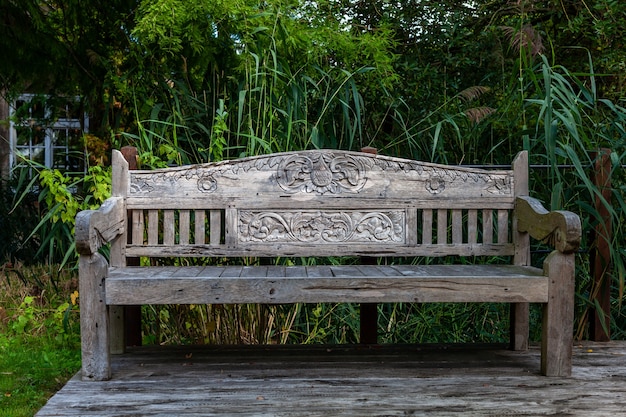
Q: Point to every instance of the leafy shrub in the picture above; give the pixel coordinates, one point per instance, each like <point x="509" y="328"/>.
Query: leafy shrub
<point x="64" y="196"/>
<point x="17" y="221"/>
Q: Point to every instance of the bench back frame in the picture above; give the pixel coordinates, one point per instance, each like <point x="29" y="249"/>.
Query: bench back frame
<point x="320" y="203"/>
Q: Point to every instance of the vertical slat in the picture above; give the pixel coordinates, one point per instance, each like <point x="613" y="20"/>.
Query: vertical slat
<point x="230" y="226"/>
<point x="457" y="226"/>
<point x="183" y="228"/>
<point x="442" y="226"/>
<point x="138" y="227"/>
<point x="472" y="226"/>
<point x="168" y="227"/>
<point x="411" y="226"/>
<point x="216" y="226"/>
<point x="199" y="231"/>
<point x="427" y="227"/>
<point x="503" y="226"/>
<point x="487" y="227"/>
<point x="153" y="227"/>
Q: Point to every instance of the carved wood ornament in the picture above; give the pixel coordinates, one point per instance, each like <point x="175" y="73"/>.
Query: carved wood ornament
<point x="322" y="226"/>
<point x="320" y="172"/>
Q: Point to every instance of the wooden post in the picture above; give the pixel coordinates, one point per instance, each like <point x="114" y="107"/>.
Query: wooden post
<point x="368" y="323"/>
<point x="520" y="312"/>
<point x="132" y="314"/>
<point x="600" y="322"/>
<point x="94" y="317"/>
<point x="558" y="316"/>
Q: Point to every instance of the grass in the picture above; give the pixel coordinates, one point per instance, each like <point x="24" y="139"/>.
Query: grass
<point x="39" y="337"/>
<point x="327" y="323"/>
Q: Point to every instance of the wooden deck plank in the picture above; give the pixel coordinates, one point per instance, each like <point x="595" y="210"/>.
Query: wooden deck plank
<point x="348" y="381"/>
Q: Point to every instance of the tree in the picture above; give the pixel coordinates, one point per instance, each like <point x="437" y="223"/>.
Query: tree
<point x="65" y="47"/>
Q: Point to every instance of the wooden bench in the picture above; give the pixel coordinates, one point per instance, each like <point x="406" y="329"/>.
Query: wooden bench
<point x="323" y="203"/>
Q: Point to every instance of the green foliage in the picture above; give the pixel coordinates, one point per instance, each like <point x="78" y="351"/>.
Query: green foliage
<point x="325" y="323"/>
<point x="39" y="338"/>
<point x="286" y="80"/>
<point x="218" y="142"/>
<point x="572" y="124"/>
<point x="59" y="192"/>
<point x="61" y="203"/>
<point x="17" y="220"/>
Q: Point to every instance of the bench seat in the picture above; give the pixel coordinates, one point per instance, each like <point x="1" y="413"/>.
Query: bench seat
<point x="318" y="284"/>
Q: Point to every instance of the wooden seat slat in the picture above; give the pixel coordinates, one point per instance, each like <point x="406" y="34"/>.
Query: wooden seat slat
<point x="232" y="271"/>
<point x="430" y="283"/>
<point x="324" y="271"/>
<point x="254" y="272"/>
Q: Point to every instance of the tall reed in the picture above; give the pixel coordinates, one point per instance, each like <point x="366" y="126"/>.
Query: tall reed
<point x="572" y="124"/>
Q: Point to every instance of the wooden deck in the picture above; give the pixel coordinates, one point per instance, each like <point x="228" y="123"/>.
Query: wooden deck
<point x="348" y="381"/>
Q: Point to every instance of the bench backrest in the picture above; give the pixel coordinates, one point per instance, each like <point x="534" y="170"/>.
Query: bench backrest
<point x="319" y="203"/>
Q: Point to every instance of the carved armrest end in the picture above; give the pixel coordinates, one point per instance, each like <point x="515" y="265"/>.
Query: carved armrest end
<point x="95" y="228"/>
<point x="559" y="228"/>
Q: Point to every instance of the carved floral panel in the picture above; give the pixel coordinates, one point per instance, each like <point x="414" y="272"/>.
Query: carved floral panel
<point x="322" y="226"/>
<point x="321" y="173"/>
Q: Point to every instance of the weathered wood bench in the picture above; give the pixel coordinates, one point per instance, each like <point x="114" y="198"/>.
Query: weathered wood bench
<point x="324" y="203"/>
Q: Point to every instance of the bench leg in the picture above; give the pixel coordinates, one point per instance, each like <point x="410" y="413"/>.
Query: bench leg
<point x="117" y="333"/>
<point x="558" y="316"/>
<point x="520" y="327"/>
<point x="94" y="318"/>
<point x="368" y="325"/>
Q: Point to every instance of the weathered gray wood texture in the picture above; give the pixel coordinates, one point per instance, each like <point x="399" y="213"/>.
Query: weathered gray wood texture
<point x="320" y="203"/>
<point x="360" y="283"/>
<point x="326" y="203"/>
<point x="326" y="381"/>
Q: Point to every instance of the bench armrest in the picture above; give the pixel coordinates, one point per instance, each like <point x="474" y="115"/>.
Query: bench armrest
<point x="95" y="228"/>
<point x="559" y="228"/>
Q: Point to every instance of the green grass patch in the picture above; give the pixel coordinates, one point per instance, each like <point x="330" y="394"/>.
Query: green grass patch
<point x="33" y="368"/>
<point x="39" y="339"/>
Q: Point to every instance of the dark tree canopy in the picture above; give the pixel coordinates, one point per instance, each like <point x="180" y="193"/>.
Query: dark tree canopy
<point x="389" y="66"/>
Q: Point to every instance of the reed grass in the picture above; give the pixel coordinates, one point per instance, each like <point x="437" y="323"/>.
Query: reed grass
<point x="326" y="323"/>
